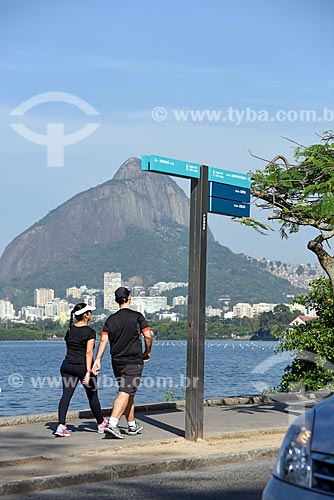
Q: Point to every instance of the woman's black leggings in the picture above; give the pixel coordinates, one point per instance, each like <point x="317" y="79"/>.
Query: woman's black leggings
<point x="71" y="374"/>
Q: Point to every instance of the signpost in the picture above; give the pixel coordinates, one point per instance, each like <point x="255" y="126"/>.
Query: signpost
<point x="229" y="193"/>
<point x="228" y="207"/>
<point x="170" y="166"/>
<point x="196" y="307"/>
<point x="214" y="190"/>
<point x="229" y="177"/>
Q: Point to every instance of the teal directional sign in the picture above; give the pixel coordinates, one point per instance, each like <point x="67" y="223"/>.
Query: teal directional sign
<point x="229" y="177"/>
<point x="229" y="192"/>
<point x="226" y="199"/>
<point x="170" y="166"/>
<point x="228" y="207"/>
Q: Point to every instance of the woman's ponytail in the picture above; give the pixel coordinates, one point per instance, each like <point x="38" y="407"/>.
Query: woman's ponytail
<point x="70" y="325"/>
<point x="71" y="318"/>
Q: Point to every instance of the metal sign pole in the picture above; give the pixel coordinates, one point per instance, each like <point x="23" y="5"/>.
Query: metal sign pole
<point x="196" y="306"/>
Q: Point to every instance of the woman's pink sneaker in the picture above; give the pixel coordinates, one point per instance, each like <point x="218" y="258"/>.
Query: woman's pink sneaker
<point x="62" y="431"/>
<point x="101" y="427"/>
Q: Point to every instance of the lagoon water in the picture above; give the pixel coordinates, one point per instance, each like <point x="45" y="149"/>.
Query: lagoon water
<point x="30" y="380"/>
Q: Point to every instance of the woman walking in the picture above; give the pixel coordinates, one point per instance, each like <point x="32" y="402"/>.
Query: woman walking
<point x="80" y="340"/>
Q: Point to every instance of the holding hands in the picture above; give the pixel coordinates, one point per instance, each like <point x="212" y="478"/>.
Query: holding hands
<point x="146" y="356"/>
<point x="96" y="367"/>
<point x="86" y="378"/>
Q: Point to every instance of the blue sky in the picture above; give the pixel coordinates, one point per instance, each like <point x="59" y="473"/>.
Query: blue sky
<point x="125" y="59"/>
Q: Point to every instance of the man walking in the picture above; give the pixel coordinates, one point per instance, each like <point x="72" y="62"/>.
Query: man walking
<point x="123" y="330"/>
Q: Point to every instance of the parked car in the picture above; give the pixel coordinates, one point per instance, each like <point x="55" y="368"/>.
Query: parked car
<point x="304" y="469"/>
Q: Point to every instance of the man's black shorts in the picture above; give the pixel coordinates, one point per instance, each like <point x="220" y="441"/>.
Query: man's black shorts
<point x="128" y="377"/>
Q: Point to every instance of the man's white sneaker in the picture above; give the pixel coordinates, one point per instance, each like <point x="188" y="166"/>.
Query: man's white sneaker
<point x="133" y="430"/>
<point x="112" y="431"/>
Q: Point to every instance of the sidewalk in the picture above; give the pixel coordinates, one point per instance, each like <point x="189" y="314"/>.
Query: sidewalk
<point x="32" y="458"/>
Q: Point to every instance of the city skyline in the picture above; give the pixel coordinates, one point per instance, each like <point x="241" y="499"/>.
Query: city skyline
<point x="146" y="299"/>
<point x="151" y="299"/>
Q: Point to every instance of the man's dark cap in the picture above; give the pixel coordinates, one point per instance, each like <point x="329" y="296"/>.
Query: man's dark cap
<point x="122" y="293"/>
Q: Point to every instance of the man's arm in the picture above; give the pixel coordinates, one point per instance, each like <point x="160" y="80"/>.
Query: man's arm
<point x="148" y="343"/>
<point x="100" y="351"/>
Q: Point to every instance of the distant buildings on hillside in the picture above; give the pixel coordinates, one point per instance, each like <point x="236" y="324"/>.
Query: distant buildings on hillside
<point x="298" y="275"/>
<point x="46" y="305"/>
<point x="153" y="299"/>
<point x="244" y="309"/>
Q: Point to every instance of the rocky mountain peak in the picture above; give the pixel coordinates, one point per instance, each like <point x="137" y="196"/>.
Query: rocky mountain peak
<point x="130" y="169"/>
<point x="98" y="216"/>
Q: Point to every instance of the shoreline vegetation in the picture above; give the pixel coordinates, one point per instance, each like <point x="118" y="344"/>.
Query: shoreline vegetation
<point x="267" y="326"/>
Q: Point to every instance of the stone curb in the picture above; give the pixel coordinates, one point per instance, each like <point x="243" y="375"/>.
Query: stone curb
<point x="173" y="405"/>
<point x="122" y="471"/>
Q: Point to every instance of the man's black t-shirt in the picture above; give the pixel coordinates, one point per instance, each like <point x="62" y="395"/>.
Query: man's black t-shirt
<point x="76" y="339"/>
<point x="124" y="329"/>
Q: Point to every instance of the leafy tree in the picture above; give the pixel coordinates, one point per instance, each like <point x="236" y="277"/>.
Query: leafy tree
<point x="300" y="195"/>
<point x="274" y="323"/>
<point x="311" y="344"/>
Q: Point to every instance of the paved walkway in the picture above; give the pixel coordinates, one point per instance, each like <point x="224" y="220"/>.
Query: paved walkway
<point x="33" y="458"/>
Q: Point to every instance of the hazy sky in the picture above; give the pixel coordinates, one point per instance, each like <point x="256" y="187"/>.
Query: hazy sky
<point x="259" y="65"/>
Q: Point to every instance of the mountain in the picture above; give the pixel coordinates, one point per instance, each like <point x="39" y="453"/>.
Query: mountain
<point x="137" y="224"/>
<point x="99" y="216"/>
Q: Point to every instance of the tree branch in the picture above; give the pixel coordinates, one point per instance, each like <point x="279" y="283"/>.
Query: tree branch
<point x="326" y="261"/>
<point x="273" y="200"/>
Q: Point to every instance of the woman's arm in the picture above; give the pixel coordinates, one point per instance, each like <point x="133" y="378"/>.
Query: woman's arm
<point x="89" y="360"/>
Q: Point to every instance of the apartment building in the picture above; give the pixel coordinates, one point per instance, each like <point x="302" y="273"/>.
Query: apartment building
<point x="73" y="292"/>
<point x="111" y="281"/>
<point x="6" y="310"/>
<point x="149" y="304"/>
<point x="42" y="296"/>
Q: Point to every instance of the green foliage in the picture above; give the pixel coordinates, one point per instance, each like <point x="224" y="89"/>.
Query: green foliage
<point x="301" y="193"/>
<point x="215" y="329"/>
<point x="312" y="344"/>
<point x="262" y="327"/>
<point x="274" y="323"/>
<point x="266" y="326"/>
<point x="34" y="331"/>
<point x="229" y="328"/>
<point x="259" y="226"/>
<point x="169" y="330"/>
<point x="243" y="279"/>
